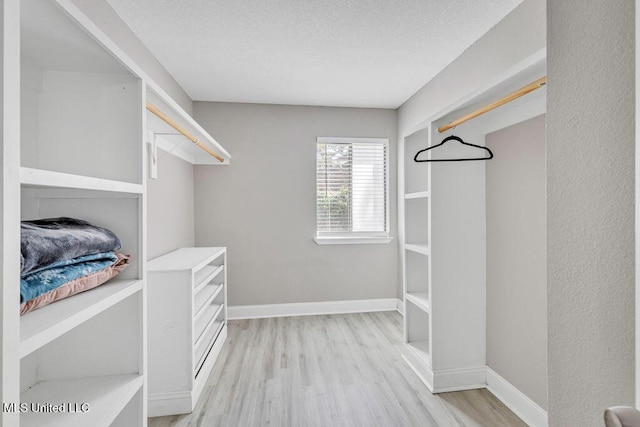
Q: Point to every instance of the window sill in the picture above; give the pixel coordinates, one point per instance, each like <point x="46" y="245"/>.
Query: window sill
<point x="352" y="240"/>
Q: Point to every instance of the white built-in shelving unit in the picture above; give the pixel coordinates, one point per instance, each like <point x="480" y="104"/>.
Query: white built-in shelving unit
<point x="74" y="135"/>
<point x="442" y="232"/>
<point x="81" y="155"/>
<point x="187" y="325"/>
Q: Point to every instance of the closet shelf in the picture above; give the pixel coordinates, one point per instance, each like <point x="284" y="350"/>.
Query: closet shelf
<point x="422" y="248"/>
<point x="206" y="275"/>
<point x="170" y="139"/>
<point x="203" y="299"/>
<point x="193" y="259"/>
<point x="417" y="195"/>
<point x="42" y="326"/>
<point x="106" y="396"/>
<point x="213" y="312"/>
<point x="44" y="178"/>
<point x="420" y="300"/>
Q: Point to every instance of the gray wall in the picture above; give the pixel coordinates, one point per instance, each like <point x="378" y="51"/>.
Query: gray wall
<point x="517" y="258"/>
<point x="263" y="206"/>
<point x="170" y="206"/>
<point x="590" y="209"/>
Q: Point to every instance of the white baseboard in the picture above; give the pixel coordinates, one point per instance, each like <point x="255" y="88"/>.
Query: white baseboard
<point x="446" y="380"/>
<point x="418" y="366"/>
<point x="400" y="306"/>
<point x="172" y="403"/>
<point x="514" y="399"/>
<point x="311" y="308"/>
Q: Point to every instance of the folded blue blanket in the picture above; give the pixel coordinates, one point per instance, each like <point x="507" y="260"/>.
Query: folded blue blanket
<point x="48" y="241"/>
<point x="47" y="279"/>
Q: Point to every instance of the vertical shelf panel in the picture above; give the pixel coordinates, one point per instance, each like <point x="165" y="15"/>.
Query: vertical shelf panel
<point x="10" y="128"/>
<point x="81" y="146"/>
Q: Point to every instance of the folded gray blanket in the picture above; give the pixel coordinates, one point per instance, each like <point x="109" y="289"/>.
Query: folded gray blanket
<point x="47" y="241"/>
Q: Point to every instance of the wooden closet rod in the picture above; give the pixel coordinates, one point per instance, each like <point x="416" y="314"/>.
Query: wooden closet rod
<point x="514" y="95"/>
<point x="183" y="131"/>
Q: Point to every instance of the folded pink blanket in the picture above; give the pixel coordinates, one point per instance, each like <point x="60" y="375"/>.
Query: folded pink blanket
<point x="78" y="285"/>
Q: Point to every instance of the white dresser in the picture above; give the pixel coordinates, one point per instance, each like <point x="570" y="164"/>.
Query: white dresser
<point x="187" y="325"/>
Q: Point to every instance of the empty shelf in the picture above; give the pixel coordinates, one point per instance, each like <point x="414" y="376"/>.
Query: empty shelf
<point x="106" y="397"/>
<point x="205" y="297"/>
<point x="45" y="324"/>
<point x="45" y="178"/>
<point x="420" y="300"/>
<point x="417" y="195"/>
<point x="204" y="324"/>
<point x="206" y="274"/>
<point x="419" y="248"/>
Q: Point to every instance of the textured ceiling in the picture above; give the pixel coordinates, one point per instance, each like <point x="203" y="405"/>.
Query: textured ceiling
<point x="356" y="53"/>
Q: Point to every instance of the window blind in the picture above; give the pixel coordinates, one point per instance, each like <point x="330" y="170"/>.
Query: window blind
<point x="352" y="187"/>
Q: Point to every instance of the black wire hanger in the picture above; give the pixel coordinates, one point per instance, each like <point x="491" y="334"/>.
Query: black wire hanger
<point x="453" y="138"/>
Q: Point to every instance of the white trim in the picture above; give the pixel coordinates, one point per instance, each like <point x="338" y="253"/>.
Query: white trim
<point x="352" y="240"/>
<point x="343" y="140"/>
<point x="172" y="403"/>
<point x="514" y="399"/>
<point x="422" y="371"/>
<point x="400" y="306"/>
<point x="311" y="308"/>
<point x="446" y="380"/>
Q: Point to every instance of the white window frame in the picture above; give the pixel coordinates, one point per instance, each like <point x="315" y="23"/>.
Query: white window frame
<point x="356" y="238"/>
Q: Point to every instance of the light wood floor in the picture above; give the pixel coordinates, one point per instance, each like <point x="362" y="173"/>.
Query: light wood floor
<point x="333" y="370"/>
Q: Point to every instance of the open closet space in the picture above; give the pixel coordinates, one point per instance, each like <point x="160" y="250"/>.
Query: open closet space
<point x="474" y="263"/>
<point x="516" y="258"/>
<point x="412" y="213"/>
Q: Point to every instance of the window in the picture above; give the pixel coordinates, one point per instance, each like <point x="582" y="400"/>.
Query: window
<point x="351" y="190"/>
